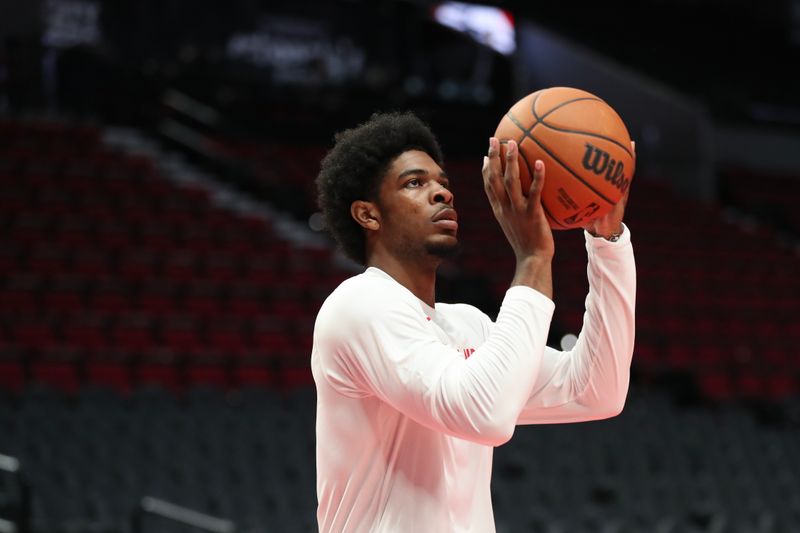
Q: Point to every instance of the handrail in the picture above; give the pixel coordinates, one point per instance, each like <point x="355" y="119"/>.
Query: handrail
<point x="177" y="513"/>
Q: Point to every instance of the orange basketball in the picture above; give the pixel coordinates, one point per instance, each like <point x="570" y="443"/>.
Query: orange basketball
<point x="585" y="147"/>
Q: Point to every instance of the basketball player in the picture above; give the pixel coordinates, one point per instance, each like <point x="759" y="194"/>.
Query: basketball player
<point x="413" y="395"/>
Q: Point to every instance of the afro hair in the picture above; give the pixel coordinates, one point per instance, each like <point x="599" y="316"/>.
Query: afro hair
<point x="354" y="168"/>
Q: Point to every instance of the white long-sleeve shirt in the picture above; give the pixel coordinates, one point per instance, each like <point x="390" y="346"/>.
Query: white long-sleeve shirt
<point x="412" y="399"/>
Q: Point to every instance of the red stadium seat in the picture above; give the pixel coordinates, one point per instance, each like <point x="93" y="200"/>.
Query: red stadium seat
<point x="228" y="337"/>
<point x="87" y="331"/>
<point x="272" y="334"/>
<point x="134" y="331"/>
<point x="36" y="331"/>
<point x="181" y="265"/>
<point x="22" y="293"/>
<point x="221" y="267"/>
<point x="158" y="367"/>
<point x="781" y="385"/>
<point x="12" y="368"/>
<point x="67" y="294"/>
<point x="202" y="298"/>
<point x="112" y="296"/>
<point x="247" y="300"/>
<point x="254" y="371"/>
<point x="209" y="369"/>
<point x="57" y="367"/>
<point x="718" y="385"/>
<point x="157" y="297"/>
<point x="181" y="333"/>
<point x="110" y="374"/>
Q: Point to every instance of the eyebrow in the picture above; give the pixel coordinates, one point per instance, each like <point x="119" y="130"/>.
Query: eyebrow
<point x="411" y="171"/>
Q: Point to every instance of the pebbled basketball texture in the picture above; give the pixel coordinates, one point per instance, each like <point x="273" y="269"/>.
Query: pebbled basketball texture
<point x="585" y="146"/>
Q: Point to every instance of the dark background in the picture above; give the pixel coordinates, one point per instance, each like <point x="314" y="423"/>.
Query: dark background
<point x="732" y="56"/>
<point x="735" y="58"/>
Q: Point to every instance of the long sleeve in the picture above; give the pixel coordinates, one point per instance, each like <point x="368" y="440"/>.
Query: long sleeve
<point x="376" y="340"/>
<point x="591" y="381"/>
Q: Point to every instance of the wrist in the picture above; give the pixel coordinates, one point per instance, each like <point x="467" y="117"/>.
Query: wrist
<point x="607" y="234"/>
<point x="535" y="271"/>
<point x="533" y="261"/>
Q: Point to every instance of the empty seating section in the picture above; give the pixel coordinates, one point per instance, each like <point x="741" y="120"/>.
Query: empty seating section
<point x="104" y="256"/>
<point x="153" y="343"/>
<point x="248" y="456"/>
<point x="714" y="299"/>
<point x="656" y="467"/>
<point x="90" y="458"/>
<point x="112" y="274"/>
<point x="770" y="197"/>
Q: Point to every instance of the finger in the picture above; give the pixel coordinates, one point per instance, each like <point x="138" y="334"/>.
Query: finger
<point x="492" y="172"/>
<point x="618" y="211"/>
<point x="511" y="175"/>
<point x="495" y="163"/>
<point x="486" y="173"/>
<point x="491" y="193"/>
<point x="625" y="195"/>
<point x="537" y="184"/>
<point x="494" y="202"/>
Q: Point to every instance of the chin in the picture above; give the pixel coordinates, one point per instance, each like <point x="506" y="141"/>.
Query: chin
<point x="444" y="249"/>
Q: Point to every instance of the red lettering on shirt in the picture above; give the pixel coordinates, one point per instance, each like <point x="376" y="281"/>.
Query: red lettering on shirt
<point x="468" y="352"/>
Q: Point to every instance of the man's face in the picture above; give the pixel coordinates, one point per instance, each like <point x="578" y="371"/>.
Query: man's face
<point x="416" y="207"/>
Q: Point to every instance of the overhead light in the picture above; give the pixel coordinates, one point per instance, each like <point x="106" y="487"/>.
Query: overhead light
<point x="488" y="25"/>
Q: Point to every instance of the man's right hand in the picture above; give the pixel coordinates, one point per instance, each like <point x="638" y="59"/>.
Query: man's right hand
<point x="521" y="216"/>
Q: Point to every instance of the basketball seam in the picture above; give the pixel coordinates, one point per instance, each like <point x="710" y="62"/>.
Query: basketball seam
<point x="588" y="134"/>
<point x="517" y="123"/>
<point x="562" y="104"/>
<point x="541" y="119"/>
<point x="559" y="106"/>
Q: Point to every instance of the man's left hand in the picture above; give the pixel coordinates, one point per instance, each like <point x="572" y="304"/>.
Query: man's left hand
<point x="611" y="223"/>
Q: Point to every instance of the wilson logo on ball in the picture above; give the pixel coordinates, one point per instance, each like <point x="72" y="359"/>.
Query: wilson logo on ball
<point x="599" y="162"/>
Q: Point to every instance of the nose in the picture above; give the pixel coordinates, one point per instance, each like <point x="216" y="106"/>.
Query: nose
<point x="443" y="196"/>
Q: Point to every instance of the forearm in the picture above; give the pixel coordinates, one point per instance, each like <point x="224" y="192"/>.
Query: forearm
<point x="480" y="399"/>
<point x="605" y="346"/>
<point x="591" y="380"/>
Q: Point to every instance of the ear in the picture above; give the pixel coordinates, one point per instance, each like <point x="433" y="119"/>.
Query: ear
<point x="366" y="214"/>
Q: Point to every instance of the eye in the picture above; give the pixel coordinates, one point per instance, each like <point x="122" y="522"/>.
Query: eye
<point x="413" y="182"/>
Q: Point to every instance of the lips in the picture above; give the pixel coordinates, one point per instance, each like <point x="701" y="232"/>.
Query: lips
<point x="447" y="218"/>
<point x="448" y="213"/>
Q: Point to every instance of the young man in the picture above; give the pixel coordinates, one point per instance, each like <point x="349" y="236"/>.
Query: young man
<point x="413" y="395"/>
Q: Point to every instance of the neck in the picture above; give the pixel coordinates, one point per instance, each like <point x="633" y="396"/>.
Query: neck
<point x="418" y="277"/>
